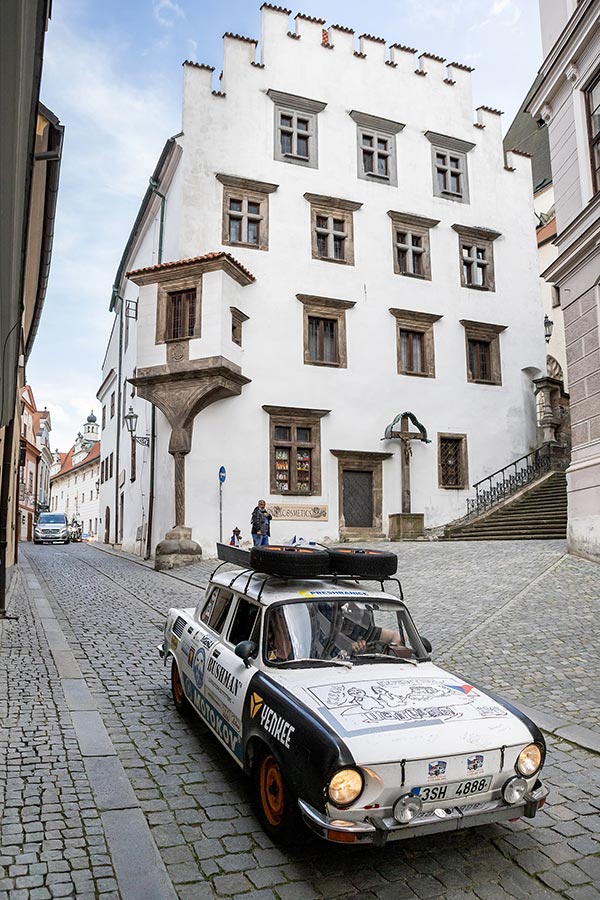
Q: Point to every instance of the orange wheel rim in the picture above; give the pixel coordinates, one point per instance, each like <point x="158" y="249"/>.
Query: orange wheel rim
<point x="271" y="790"/>
<point x="177" y="686"/>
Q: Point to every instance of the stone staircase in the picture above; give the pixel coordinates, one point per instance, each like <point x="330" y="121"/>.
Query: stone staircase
<point x="537" y="512"/>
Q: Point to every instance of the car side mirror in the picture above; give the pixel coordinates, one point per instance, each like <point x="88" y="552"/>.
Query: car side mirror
<point x="427" y="644"/>
<point x="245" y="650"/>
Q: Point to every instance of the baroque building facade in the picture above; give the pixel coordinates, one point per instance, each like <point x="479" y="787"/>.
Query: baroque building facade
<point x="74" y="480"/>
<point x="567" y="99"/>
<point x="333" y="239"/>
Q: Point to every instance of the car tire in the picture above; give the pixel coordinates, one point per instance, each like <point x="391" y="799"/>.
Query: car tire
<point x="181" y="702"/>
<point x="354" y="561"/>
<point x="299" y="562"/>
<point x="276" y="803"/>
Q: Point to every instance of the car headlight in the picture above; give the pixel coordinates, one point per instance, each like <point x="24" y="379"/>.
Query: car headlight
<point x="345" y="787"/>
<point x="407" y="807"/>
<point x="514" y="790"/>
<point x="529" y="760"/>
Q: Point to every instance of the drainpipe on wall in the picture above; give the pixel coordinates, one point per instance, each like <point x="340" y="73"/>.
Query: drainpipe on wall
<point x="148" y="553"/>
<point x="119" y="413"/>
<point x="5" y="485"/>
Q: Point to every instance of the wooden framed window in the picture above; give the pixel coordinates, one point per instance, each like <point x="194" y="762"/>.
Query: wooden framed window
<point x="592" y="95"/>
<point x="476" y="252"/>
<point x="237" y="320"/>
<point x="246" y="212"/>
<point x="411" y="245"/>
<point x="415" y="342"/>
<point x="103" y="417"/>
<point x="483" y="352"/>
<point x="449" y="166"/>
<point x="453" y="461"/>
<point x="332" y="229"/>
<point x="295" y="450"/>
<point x="296" y="128"/>
<point x="112" y="405"/>
<point x="324" y="330"/>
<point x="181" y="315"/>
<point x="376" y="147"/>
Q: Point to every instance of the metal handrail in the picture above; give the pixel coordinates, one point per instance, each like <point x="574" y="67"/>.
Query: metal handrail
<point x="507" y="481"/>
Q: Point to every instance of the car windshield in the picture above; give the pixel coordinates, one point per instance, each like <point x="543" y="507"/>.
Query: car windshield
<point x="51" y="519"/>
<point x="334" y="631"/>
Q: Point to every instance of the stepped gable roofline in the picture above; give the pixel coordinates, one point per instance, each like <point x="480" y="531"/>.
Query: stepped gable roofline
<point x="370" y="37"/>
<point x="425" y="55"/>
<point x="310" y="18"/>
<point x="457" y="65"/>
<point x="343" y="28"/>
<point x="520" y="153"/>
<point x="280" y="9"/>
<point x="490" y="109"/>
<point x="239" y="37"/>
<point x="292" y="34"/>
<point x="206" y="262"/>
<point x="197" y="65"/>
<point x="403" y="47"/>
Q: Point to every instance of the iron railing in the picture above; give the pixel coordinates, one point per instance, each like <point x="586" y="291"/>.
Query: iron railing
<point x="507" y="481"/>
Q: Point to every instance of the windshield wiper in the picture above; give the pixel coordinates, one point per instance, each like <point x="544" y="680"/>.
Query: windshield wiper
<point x="394" y="659"/>
<point x="315" y="661"/>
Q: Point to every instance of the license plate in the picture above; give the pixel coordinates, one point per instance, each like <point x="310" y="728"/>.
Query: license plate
<point x="450" y="791"/>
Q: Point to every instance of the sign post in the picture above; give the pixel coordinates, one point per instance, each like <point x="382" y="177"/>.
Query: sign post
<point x="222" y="477"/>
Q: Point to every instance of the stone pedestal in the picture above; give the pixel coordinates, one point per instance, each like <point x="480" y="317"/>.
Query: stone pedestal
<point x="177" y="549"/>
<point x="405" y="526"/>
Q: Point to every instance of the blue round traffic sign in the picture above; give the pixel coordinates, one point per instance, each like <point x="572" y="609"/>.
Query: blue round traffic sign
<point x="222" y="474"/>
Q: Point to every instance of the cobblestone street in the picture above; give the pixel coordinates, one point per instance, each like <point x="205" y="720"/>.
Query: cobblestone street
<point x="106" y="791"/>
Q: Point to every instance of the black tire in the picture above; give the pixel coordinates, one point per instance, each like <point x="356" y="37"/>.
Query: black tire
<point x="298" y="562"/>
<point x="276" y="803"/>
<point x="354" y="561"/>
<point x="181" y="702"/>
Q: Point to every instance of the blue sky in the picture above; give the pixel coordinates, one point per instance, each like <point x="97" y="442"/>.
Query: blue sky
<point x="112" y="74"/>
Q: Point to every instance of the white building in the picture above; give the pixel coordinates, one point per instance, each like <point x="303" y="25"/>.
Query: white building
<point x="331" y="241"/>
<point x="74" y="480"/>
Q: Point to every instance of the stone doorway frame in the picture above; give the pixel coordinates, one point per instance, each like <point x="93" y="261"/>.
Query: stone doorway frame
<point x="362" y="461"/>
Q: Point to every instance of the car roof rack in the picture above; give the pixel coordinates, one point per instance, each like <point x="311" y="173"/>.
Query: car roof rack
<point x="239" y="557"/>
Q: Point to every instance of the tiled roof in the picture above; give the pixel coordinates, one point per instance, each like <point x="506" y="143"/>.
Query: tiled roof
<point x="67" y="460"/>
<point x="161" y="267"/>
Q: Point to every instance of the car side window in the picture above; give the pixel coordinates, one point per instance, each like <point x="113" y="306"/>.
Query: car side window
<point x="215" y="612"/>
<point x="244" y="622"/>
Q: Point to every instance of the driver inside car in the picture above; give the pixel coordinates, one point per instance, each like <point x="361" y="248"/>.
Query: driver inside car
<point x="353" y="631"/>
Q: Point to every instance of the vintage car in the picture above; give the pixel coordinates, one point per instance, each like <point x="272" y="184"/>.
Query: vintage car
<point x="312" y="674"/>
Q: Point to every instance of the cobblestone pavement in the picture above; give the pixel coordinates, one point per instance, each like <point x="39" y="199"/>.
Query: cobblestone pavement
<point x="62" y="831"/>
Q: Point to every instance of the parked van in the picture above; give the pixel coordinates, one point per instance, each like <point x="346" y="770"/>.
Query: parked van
<point x="51" y="528"/>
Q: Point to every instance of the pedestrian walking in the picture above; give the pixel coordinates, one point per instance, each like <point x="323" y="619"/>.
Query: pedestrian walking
<point x="261" y="524"/>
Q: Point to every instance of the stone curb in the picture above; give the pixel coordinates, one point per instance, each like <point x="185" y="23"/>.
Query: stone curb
<point x="547" y="722"/>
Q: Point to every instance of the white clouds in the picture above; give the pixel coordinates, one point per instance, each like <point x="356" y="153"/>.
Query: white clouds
<point x="166" y="12"/>
<point x="503" y="13"/>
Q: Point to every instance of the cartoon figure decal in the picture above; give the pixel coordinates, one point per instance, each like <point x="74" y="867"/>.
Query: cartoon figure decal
<point x="475" y="762"/>
<point x="199" y="666"/>
<point x="437" y="768"/>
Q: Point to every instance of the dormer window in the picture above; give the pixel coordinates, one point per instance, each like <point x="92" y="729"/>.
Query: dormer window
<point x="296" y="128"/>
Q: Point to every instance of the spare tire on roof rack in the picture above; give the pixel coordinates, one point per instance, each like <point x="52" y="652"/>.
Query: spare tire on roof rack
<point x="290" y="561"/>
<point x="362" y="563"/>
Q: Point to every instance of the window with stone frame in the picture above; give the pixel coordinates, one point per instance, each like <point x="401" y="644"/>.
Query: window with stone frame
<point x="332" y="228"/>
<point x="376" y="147"/>
<point x="295" y="450"/>
<point x="324" y="330"/>
<point x="110" y="467"/>
<point x="476" y="255"/>
<point x="411" y="244"/>
<point x="453" y="470"/>
<point x="296" y="128"/>
<point x="103" y="417"/>
<point x="592" y="95"/>
<point x="415" y="349"/>
<point x="482" y="342"/>
<point x="245" y="212"/>
<point x="178" y="310"/>
<point x="449" y="166"/>
<point x="237" y="320"/>
<point x="112" y="405"/>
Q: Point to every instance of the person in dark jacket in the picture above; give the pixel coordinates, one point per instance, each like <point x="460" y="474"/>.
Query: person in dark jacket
<point x="261" y="524"/>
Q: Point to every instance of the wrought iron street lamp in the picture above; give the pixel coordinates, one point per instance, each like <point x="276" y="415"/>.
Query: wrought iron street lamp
<point x="131" y="422"/>
<point x="548" y="328"/>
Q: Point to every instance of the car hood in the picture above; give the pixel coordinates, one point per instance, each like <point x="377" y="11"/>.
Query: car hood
<point x="393" y="711"/>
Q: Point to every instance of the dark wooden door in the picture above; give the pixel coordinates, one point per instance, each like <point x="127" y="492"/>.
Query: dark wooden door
<point x="357" y="493"/>
<point x="107" y="525"/>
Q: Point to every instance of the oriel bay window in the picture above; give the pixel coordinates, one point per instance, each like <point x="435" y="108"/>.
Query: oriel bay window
<point x="476" y="250"/>
<point x="295" y="450"/>
<point x="483" y="352"/>
<point x="411" y="244"/>
<point x="415" y="343"/>
<point x="332" y="232"/>
<point x="246" y="211"/>
<point x="325" y="330"/>
<point x="296" y="128"/>
<point x="376" y="141"/>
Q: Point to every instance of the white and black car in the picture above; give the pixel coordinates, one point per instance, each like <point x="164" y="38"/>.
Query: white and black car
<point x="322" y="689"/>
